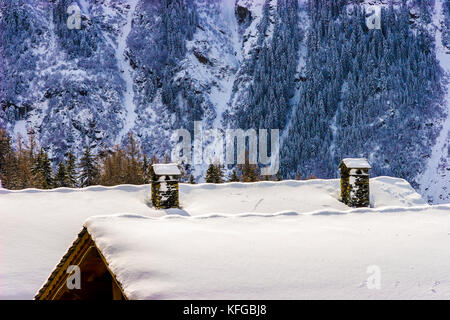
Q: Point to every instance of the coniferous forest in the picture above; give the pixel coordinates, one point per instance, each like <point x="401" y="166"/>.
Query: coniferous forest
<point x="371" y="93"/>
<point x="27" y="166"/>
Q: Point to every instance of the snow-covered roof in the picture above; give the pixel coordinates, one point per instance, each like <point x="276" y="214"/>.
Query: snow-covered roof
<point x="166" y="169"/>
<point x="57" y="215"/>
<point x="279" y="257"/>
<point x="356" y="163"/>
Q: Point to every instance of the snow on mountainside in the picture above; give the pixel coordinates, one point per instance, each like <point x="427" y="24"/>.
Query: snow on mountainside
<point x="125" y="68"/>
<point x="38" y="226"/>
<point x="435" y="181"/>
<point x="155" y="66"/>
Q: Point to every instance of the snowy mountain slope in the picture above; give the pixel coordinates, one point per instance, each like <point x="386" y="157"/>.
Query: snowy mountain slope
<point x="213" y="57"/>
<point x="435" y="181"/>
<point x="42" y="233"/>
<point x="125" y="68"/>
<point x="56" y="91"/>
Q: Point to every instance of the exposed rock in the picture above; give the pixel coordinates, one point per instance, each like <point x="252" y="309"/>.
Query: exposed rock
<point x="243" y="14"/>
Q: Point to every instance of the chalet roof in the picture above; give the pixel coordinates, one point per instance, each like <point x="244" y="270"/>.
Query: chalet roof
<point x="356" y="163"/>
<point x="249" y="256"/>
<point x="237" y="251"/>
<point x="74" y="206"/>
<point x="166" y="169"/>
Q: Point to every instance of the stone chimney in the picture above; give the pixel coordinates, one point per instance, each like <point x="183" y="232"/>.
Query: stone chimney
<point x="165" y="179"/>
<point x="355" y="174"/>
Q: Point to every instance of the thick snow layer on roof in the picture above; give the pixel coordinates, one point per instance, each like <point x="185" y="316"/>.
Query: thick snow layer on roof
<point x="296" y="196"/>
<point x="280" y="257"/>
<point x="356" y="163"/>
<point x="38" y="226"/>
<point x="166" y="169"/>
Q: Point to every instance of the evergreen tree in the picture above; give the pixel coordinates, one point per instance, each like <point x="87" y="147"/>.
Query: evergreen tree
<point x="278" y="176"/>
<point x="47" y="172"/>
<point x="192" y="179"/>
<point x="42" y="171"/>
<point x="233" y="177"/>
<point x="249" y="172"/>
<point x="211" y="174"/>
<point x="61" y="179"/>
<point x="71" y="173"/>
<point x="214" y="174"/>
<point x="219" y="173"/>
<point x="89" y="172"/>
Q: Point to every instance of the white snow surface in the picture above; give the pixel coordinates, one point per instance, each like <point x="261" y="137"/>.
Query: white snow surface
<point x="166" y="168"/>
<point x="280" y="257"/>
<point x="356" y="163"/>
<point x="39" y="226"/>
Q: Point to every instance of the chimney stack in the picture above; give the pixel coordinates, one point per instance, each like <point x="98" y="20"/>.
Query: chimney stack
<point x="165" y="179"/>
<point x="355" y="174"/>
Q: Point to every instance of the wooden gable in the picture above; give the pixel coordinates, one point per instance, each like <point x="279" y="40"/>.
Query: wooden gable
<point x="97" y="280"/>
